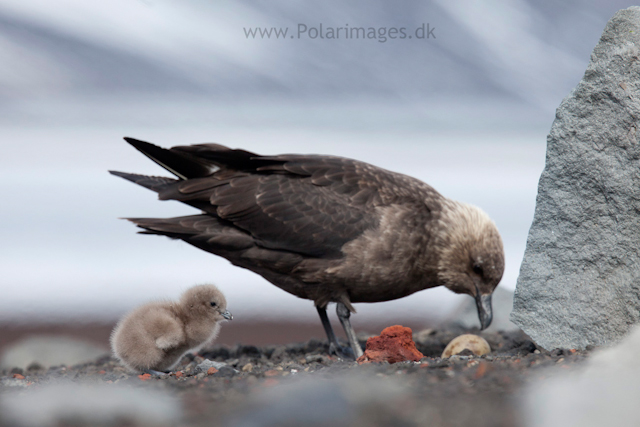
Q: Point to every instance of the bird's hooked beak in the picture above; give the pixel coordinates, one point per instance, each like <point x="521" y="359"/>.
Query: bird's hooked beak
<point x="485" y="313"/>
<point x="228" y="315"/>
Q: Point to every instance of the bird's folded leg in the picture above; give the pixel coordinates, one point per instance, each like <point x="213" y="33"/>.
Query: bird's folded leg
<point x="334" y="347"/>
<point x="344" y="314"/>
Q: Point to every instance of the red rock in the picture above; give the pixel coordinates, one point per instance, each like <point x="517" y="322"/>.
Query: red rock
<point x="178" y="374"/>
<point x="393" y="345"/>
<point x="144" y="377"/>
<point x="18" y="376"/>
<point x="211" y="371"/>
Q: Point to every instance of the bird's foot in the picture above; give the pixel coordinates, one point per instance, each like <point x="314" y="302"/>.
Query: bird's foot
<point x="156" y="373"/>
<point x="345" y="353"/>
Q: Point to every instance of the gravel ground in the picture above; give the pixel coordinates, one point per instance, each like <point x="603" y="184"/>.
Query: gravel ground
<point x="300" y="384"/>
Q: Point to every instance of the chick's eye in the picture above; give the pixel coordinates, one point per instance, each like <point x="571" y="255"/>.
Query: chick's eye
<point x="477" y="269"/>
<point x="213" y="304"/>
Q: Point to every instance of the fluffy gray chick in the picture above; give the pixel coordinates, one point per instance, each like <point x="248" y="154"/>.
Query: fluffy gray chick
<point x="155" y="336"/>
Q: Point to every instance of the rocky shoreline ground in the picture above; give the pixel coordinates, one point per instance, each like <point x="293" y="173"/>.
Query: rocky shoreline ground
<point x="295" y="384"/>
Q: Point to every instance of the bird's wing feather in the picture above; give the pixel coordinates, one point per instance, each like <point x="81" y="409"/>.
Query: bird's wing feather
<point x="311" y="205"/>
<point x="307" y="204"/>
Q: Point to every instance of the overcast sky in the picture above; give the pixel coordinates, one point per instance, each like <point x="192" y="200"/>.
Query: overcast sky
<point x="466" y="109"/>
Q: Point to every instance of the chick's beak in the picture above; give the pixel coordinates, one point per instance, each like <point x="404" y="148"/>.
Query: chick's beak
<point x="228" y="315"/>
<point x="485" y="313"/>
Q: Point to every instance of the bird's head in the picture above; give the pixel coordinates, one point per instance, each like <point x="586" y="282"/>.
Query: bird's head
<point x="206" y="302"/>
<point x="471" y="255"/>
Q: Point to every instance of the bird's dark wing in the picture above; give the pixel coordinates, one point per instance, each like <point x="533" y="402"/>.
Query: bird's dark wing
<point x="310" y="205"/>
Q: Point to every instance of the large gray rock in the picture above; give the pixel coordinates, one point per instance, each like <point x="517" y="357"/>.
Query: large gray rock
<point x="579" y="283"/>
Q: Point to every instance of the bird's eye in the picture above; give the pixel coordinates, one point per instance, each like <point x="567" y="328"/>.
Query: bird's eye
<point x="477" y="269"/>
<point x="213" y="304"/>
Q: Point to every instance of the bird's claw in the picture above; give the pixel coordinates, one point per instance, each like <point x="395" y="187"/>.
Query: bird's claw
<point x="345" y="353"/>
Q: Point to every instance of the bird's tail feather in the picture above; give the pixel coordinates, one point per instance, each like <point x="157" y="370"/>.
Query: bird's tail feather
<point x="154" y="183"/>
<point x="203" y="231"/>
<point x="182" y="165"/>
<point x="202" y="160"/>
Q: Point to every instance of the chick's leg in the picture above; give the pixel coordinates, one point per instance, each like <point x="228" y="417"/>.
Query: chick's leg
<point x="344" y="314"/>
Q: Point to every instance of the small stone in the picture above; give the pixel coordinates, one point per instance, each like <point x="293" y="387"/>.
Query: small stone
<point x="144" y="377"/>
<point x="206" y="364"/>
<point x="225" y="372"/>
<point x="272" y="373"/>
<point x="395" y="344"/>
<point x="477" y="345"/>
<point x="279" y="353"/>
<point x="458" y="358"/>
<point x="247" y="368"/>
<point x="319" y="358"/>
<point x="211" y="371"/>
<point x="35" y="366"/>
<point x="18" y="376"/>
<point x="178" y="374"/>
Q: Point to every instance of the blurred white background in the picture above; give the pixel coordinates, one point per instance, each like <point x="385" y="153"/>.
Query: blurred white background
<point x="467" y="111"/>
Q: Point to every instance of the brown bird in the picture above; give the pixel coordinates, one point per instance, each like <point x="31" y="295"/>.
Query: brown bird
<point x="326" y="228"/>
<point x="155" y="336"/>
